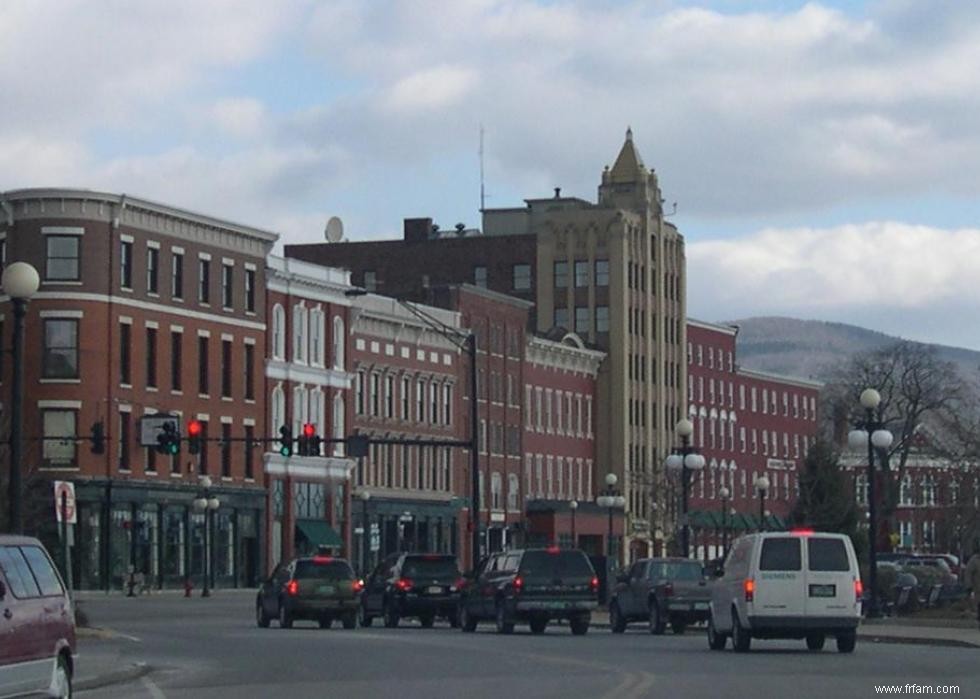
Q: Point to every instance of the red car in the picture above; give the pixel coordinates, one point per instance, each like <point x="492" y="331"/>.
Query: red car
<point x="37" y="626"/>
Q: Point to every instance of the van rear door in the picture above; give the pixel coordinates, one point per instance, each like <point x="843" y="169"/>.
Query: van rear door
<point x="779" y="587"/>
<point x="831" y="574"/>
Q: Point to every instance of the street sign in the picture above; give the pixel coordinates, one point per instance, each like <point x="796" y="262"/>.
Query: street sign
<point x="151" y="425"/>
<point x="375" y="537"/>
<point x="65" y="489"/>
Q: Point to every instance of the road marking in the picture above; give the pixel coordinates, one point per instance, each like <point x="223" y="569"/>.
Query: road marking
<point x="619" y="691"/>
<point x="152" y="688"/>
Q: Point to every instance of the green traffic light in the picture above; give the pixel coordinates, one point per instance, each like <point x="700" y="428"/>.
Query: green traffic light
<point x="174" y="449"/>
<point x="284" y="451"/>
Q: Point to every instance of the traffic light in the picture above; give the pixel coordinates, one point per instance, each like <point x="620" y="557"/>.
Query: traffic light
<point x="168" y="439"/>
<point x="286" y="440"/>
<point x="194" y="436"/>
<point x="97" y="438"/>
<point x="309" y="443"/>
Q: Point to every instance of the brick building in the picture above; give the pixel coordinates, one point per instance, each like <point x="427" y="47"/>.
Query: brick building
<point x="143" y="308"/>
<point x="746" y="423"/>
<point x="307" y="382"/>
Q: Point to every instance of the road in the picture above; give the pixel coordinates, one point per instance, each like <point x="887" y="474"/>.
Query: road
<point x="212" y="648"/>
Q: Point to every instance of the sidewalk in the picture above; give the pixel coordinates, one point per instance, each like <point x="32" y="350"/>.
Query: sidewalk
<point x="98" y="664"/>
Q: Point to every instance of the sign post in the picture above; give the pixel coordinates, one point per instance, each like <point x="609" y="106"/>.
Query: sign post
<point x="67" y="513"/>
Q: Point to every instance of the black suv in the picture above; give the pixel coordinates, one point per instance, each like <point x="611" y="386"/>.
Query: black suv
<point x="422" y="585"/>
<point x="532" y="586"/>
<point x="318" y="588"/>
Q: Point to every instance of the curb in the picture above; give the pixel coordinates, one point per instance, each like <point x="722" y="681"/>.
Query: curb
<point x="919" y="641"/>
<point x="126" y="674"/>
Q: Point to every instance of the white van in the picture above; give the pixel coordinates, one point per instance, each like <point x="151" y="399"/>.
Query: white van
<point x="798" y="584"/>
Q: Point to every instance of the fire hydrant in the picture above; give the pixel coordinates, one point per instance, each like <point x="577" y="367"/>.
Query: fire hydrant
<point x="188" y="586"/>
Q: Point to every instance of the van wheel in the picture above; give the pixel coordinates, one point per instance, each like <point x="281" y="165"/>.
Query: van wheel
<point x="427" y="620"/>
<point x="325" y="622"/>
<point x="504" y="625"/>
<point x="716" y="641"/>
<point x="657" y="622"/>
<point x="741" y="639"/>
<point x="61" y="683"/>
<point x="846" y="641"/>
<point x="261" y="618"/>
<point x="349" y="620"/>
<point x="538" y="624"/>
<point x="616" y="619"/>
<point x="815" y="641"/>
<point x="466" y="620"/>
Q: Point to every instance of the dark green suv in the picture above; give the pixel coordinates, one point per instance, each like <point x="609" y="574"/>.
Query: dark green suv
<point x="532" y="586"/>
<point x="319" y="588"/>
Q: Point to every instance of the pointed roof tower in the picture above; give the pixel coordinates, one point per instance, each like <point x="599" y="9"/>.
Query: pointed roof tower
<point x="628" y="166"/>
<point x="629" y="185"/>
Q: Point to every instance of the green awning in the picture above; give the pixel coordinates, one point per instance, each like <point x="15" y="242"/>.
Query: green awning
<point x="318" y="532"/>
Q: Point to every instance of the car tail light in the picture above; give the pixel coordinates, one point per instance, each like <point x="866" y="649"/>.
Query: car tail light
<point x="669" y="590"/>
<point x="594" y="584"/>
<point x="292" y="588"/>
<point x="518" y="584"/>
<point x="322" y="560"/>
<point x="553" y="550"/>
<point x="749" y="587"/>
<point x="858" y="590"/>
<point x="357" y="585"/>
<point x="458" y="585"/>
<point x="404" y="584"/>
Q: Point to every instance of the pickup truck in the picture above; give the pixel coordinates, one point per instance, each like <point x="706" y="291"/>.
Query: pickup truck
<point x="658" y="591"/>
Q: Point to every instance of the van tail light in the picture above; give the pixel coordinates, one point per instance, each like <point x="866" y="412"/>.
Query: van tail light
<point x="292" y="588"/>
<point x="858" y="590"/>
<point x="404" y="584"/>
<point x="594" y="585"/>
<point x="518" y="585"/>
<point x="357" y="585"/>
<point x="669" y="590"/>
<point x="749" y="587"/>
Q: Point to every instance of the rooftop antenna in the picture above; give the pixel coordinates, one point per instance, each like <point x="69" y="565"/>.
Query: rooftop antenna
<point x="482" y="194"/>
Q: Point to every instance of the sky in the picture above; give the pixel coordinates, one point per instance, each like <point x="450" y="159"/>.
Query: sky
<point x="824" y="156"/>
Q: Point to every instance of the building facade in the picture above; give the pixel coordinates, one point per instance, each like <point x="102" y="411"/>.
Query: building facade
<point x="142" y="309"/>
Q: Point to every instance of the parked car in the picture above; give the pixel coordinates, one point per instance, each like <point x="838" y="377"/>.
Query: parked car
<point x="532" y="586"/>
<point x="937" y="563"/>
<point x="658" y="590"/>
<point x="787" y="585"/>
<point x="318" y="588"/>
<point x="420" y="585"/>
<point x="37" y="625"/>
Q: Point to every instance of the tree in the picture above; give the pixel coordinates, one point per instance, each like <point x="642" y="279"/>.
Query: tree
<point x="826" y="502"/>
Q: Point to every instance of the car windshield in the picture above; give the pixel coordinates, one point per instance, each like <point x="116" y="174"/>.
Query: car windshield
<point x="436" y="567"/>
<point x="546" y="565"/>
<point x="314" y="569"/>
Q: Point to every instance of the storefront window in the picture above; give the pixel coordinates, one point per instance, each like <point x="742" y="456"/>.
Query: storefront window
<point x="88" y="545"/>
<point x="224" y="546"/>
<point x="174" y="541"/>
<point x="121" y="533"/>
<point x="148" y="542"/>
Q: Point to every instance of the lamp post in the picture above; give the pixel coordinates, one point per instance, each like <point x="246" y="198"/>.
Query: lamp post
<point x="573" y="506"/>
<point x="685" y="460"/>
<point x="725" y="493"/>
<point x="762" y="488"/>
<point x="610" y="499"/>
<point x="365" y="536"/>
<point x="20" y="281"/>
<point x="207" y="504"/>
<point x="870" y="432"/>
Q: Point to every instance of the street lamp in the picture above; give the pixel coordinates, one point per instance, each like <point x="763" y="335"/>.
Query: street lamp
<point x="870" y="432"/>
<point x="20" y="282"/>
<point x="725" y="493"/>
<point x="611" y="499"/>
<point x="207" y="504"/>
<point x="684" y="460"/>
<point x="762" y="488"/>
<point x="365" y="496"/>
<point x="573" y="506"/>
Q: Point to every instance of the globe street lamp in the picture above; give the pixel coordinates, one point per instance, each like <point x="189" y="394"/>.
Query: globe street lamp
<point x="207" y="504"/>
<point x="725" y="493"/>
<point x="685" y="460"/>
<point x="870" y="432"/>
<point x="610" y="499"/>
<point x="762" y="488"/>
<point x="573" y="506"/>
<point x="20" y="282"/>
<point x="365" y="536"/>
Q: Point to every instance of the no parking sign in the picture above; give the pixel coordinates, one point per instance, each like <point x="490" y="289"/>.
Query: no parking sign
<point x="65" y="490"/>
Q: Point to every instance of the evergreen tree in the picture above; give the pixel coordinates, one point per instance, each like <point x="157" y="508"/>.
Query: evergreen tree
<point x="826" y="501"/>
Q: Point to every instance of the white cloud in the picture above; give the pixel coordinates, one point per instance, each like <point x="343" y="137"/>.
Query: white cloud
<point x="242" y="117"/>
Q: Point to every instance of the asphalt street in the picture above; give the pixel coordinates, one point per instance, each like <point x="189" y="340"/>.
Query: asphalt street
<point x="212" y="648"/>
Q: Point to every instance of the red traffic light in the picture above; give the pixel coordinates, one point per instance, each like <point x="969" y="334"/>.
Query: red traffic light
<point x="194" y="428"/>
<point x="308" y="430"/>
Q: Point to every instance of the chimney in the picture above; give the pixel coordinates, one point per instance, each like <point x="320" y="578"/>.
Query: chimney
<point x="417" y="230"/>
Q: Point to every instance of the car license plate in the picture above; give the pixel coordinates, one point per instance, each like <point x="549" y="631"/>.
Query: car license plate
<point x="326" y="589"/>
<point x="701" y="605"/>
<point x="823" y="590"/>
<point x="434" y="590"/>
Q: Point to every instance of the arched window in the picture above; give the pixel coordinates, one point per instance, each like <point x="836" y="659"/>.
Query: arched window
<point x="278" y="410"/>
<point x="496" y="486"/>
<point x="278" y="332"/>
<point x="301" y="409"/>
<point x="317" y="337"/>
<point x="338" y="428"/>
<point x="513" y="486"/>
<point x="905" y="491"/>
<point x="301" y="323"/>
<point x="338" y="343"/>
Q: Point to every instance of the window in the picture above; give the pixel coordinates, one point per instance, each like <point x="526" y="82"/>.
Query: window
<point x="602" y="319"/>
<point x="339" y="340"/>
<point x="177" y="275"/>
<point x="522" y="277"/>
<point x="561" y="275"/>
<point x="317" y="330"/>
<point x="204" y="280"/>
<point x="602" y="272"/>
<point x="780" y="554"/>
<point x="827" y="554"/>
<point x="153" y="270"/>
<point x="40" y="564"/>
<point x="249" y="372"/>
<point x="389" y="396"/>
<point x="581" y="273"/>
<point x="301" y="321"/>
<point x="480" y="276"/>
<point x="496" y="485"/>
<point x="581" y="319"/>
<point x="60" y="348"/>
<point x="151" y="357"/>
<point x="371" y="281"/>
<point x="226" y="449"/>
<point x="59" y="453"/>
<point x="226" y="368"/>
<point x="124" y="435"/>
<point x="176" y="352"/>
<point x="249" y="447"/>
<point x="447" y="404"/>
<point x="227" y="286"/>
<point x="561" y="318"/>
<point x="250" y="290"/>
<point x="278" y="410"/>
<point x="62" y="258"/>
<point x="405" y="397"/>
<point x="513" y="490"/>
<point x="202" y="365"/>
<point x="420" y="400"/>
<point x="125" y="354"/>
<point x="126" y="265"/>
<point x="278" y="332"/>
<point x="22" y="581"/>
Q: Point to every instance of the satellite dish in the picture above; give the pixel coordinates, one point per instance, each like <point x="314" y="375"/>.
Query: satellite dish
<point x="335" y="230"/>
